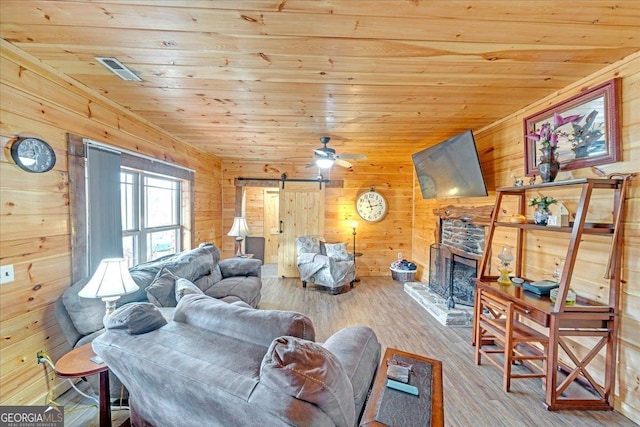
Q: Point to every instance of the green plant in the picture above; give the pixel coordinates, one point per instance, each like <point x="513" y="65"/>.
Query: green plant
<point x="542" y="202"/>
<point x="583" y="136"/>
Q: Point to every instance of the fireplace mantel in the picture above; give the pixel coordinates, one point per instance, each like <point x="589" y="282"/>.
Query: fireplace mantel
<point x="478" y="215"/>
<point x="475" y="215"/>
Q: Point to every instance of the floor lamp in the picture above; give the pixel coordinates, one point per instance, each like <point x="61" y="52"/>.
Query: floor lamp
<point x="354" y="226"/>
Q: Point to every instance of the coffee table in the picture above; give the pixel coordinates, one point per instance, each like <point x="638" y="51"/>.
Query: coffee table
<point x="389" y="407"/>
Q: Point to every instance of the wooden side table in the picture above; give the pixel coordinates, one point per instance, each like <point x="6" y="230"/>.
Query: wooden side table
<point x="77" y="363"/>
<point x="426" y="409"/>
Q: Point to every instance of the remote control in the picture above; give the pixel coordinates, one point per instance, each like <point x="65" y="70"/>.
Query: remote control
<point x="403" y="387"/>
<point x="97" y="360"/>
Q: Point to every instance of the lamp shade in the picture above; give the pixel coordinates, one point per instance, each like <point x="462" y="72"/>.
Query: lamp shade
<point x="324" y="163"/>
<point x="239" y="227"/>
<point x="111" y="279"/>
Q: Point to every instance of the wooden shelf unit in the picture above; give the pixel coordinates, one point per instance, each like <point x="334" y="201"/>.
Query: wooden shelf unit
<point x="586" y="318"/>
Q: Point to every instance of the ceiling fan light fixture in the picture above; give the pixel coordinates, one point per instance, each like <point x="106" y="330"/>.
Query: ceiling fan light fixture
<point x="324" y="163"/>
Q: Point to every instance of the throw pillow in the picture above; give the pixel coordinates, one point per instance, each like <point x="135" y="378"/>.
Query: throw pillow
<point x="185" y="287"/>
<point x="308" y="371"/>
<point x="135" y="319"/>
<point x="337" y="251"/>
<point x="161" y="291"/>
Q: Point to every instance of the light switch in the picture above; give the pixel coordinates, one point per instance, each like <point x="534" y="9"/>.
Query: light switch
<point x="6" y="274"/>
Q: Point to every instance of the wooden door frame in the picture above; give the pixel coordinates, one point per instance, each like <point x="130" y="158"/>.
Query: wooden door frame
<point x="242" y="182"/>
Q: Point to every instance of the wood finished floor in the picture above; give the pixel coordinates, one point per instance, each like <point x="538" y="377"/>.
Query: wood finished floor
<point x="472" y="394"/>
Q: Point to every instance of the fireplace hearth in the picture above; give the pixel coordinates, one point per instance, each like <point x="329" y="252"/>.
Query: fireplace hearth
<point x="453" y="264"/>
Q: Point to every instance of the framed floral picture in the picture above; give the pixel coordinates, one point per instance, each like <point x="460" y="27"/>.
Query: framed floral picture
<point x="584" y="129"/>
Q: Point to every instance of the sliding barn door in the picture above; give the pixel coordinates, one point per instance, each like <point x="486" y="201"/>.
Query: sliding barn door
<point x="301" y="214"/>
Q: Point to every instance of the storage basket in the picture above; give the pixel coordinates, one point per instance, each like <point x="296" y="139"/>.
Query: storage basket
<point x="403" y="275"/>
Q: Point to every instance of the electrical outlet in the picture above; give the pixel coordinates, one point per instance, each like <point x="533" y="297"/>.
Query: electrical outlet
<point x="6" y="274"/>
<point x="399" y="255"/>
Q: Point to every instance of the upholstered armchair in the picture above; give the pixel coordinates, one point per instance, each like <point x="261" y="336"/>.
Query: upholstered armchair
<point x="325" y="264"/>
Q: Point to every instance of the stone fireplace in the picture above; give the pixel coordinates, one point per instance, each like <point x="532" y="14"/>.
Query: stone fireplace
<point x="454" y="260"/>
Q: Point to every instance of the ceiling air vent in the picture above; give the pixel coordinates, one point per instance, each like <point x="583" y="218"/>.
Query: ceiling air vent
<point x="119" y="69"/>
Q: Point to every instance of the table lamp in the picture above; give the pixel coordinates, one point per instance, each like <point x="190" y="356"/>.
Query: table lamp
<point x="239" y="230"/>
<point x="110" y="281"/>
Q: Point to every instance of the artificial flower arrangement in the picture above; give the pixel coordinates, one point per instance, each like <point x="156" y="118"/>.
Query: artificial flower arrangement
<point x="542" y="202"/>
<point x="548" y="136"/>
<point x="584" y="136"/>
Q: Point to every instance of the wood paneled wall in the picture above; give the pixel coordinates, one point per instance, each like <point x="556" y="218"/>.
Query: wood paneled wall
<point x="379" y="242"/>
<point x="34" y="221"/>
<point x="501" y="153"/>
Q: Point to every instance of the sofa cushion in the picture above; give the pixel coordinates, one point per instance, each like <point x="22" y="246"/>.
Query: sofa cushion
<point x="135" y="319"/>
<point x="337" y="251"/>
<point x="185" y="287"/>
<point x="85" y="313"/>
<point x="255" y="326"/>
<point x="307" y="371"/>
<point x="206" y="282"/>
<point x="191" y="264"/>
<point x="238" y="266"/>
<point x="243" y="288"/>
<point x="194" y="264"/>
<point x="161" y="291"/>
<point x="358" y="349"/>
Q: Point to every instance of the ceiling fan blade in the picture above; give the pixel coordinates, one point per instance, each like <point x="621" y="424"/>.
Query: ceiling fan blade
<point x="321" y="152"/>
<point x="353" y="156"/>
<point x="343" y="163"/>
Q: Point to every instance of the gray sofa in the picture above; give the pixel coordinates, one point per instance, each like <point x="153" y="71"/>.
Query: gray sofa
<point x="233" y="280"/>
<point x="220" y="364"/>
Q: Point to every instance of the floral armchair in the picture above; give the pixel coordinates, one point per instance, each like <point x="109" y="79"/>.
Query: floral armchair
<point x="325" y="264"/>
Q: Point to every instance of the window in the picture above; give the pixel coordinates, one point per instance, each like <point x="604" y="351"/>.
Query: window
<point x="125" y="204"/>
<point x="151" y="217"/>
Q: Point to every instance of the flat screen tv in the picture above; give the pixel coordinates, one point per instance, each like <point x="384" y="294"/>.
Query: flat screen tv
<point x="450" y="168"/>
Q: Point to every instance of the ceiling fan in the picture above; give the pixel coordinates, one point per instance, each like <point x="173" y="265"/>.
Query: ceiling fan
<point x="326" y="157"/>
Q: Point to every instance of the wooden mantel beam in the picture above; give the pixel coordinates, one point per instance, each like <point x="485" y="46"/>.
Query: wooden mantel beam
<point x="479" y="215"/>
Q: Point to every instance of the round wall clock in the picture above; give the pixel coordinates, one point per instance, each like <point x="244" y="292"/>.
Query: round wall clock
<point x="33" y="155"/>
<point x="371" y="206"/>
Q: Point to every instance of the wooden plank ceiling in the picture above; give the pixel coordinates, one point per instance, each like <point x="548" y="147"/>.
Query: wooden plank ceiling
<point x="263" y="80"/>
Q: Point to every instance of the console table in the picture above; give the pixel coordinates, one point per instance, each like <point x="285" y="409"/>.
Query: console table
<point x="387" y="406"/>
<point x="591" y="321"/>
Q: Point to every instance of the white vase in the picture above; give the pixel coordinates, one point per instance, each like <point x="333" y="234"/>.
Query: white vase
<point x="541" y="216"/>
